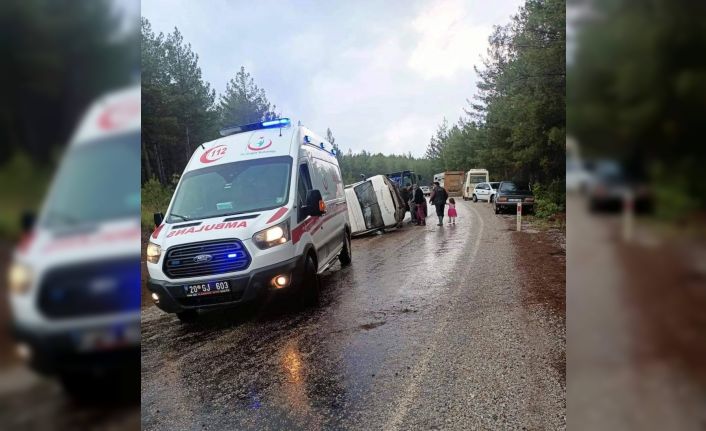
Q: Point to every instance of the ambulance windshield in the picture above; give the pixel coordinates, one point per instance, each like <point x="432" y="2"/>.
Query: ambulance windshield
<point x="232" y="188"/>
<point x="97" y="181"/>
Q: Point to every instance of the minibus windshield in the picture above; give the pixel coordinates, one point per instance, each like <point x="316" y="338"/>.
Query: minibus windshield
<point x="97" y="181"/>
<point x="232" y="188"/>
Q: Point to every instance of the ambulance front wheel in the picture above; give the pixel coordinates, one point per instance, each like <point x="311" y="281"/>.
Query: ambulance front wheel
<point x="346" y="255"/>
<point x="310" y="283"/>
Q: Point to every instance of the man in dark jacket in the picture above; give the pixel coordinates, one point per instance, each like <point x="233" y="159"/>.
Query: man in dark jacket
<point x="438" y="199"/>
<point x="420" y="203"/>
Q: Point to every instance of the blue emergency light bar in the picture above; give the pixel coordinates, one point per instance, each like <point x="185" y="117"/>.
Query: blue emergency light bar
<point x="270" y="124"/>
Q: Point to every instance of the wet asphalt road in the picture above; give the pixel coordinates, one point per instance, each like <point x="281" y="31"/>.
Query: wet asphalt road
<point x="611" y="387"/>
<point x="424" y="331"/>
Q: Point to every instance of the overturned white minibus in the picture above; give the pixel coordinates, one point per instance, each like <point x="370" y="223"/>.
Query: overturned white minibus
<point x="374" y="204"/>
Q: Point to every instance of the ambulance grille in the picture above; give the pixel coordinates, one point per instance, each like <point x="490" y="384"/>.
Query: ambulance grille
<point x="91" y="288"/>
<point x="206" y="258"/>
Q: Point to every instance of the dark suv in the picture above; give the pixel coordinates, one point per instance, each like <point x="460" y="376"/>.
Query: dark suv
<point x="510" y="193"/>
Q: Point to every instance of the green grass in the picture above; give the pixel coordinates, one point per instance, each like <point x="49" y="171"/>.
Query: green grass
<point x="549" y="201"/>
<point x="155" y="199"/>
<point x="23" y="184"/>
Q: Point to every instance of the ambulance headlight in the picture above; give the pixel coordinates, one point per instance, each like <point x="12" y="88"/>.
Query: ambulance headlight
<point x="272" y="236"/>
<point x="19" y="278"/>
<point x="153" y="252"/>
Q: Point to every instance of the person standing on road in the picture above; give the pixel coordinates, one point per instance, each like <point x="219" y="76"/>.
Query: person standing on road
<point x="412" y="206"/>
<point x="438" y="198"/>
<point x="452" y="211"/>
<point x="420" y="203"/>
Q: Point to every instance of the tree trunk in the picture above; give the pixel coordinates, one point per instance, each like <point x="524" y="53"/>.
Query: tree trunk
<point x="148" y="164"/>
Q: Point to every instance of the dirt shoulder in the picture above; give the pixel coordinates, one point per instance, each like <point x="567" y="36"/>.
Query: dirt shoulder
<point x="540" y="257"/>
<point x="540" y="253"/>
<point x="667" y="290"/>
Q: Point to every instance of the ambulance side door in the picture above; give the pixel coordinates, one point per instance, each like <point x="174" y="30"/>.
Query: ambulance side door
<point x="325" y="179"/>
<point x="304" y="185"/>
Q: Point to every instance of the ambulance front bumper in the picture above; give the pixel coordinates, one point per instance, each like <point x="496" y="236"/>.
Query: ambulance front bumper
<point x="91" y="349"/>
<point x="244" y="288"/>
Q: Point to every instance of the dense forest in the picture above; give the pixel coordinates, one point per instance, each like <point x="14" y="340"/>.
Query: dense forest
<point x="58" y="57"/>
<point x="636" y="91"/>
<point x="514" y="126"/>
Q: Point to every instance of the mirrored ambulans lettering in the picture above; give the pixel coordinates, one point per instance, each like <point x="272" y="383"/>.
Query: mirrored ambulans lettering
<point x="212" y="226"/>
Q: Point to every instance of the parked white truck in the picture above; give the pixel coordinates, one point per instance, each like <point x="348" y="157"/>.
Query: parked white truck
<point x="473" y="177"/>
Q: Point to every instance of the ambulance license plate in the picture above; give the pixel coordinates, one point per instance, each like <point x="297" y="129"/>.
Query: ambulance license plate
<point x="205" y="289"/>
<point x="107" y="338"/>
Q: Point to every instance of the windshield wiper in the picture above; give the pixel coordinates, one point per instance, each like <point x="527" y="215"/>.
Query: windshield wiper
<point x="185" y="218"/>
<point x="67" y="219"/>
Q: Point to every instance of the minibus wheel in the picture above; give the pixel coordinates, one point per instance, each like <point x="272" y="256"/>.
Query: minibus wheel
<point x="345" y="256"/>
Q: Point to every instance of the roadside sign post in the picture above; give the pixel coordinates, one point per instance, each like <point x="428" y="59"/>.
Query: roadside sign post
<point x="519" y="216"/>
<point x="628" y="216"/>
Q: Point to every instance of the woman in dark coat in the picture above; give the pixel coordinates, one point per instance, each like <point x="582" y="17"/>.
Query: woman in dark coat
<point x="420" y="203"/>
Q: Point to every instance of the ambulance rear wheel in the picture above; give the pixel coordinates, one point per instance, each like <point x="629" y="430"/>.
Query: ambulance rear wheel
<point x="345" y="256"/>
<point x="310" y="283"/>
<point x="78" y="387"/>
<point x="187" y="316"/>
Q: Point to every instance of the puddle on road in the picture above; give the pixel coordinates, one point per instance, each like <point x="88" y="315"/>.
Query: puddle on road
<point x="373" y="325"/>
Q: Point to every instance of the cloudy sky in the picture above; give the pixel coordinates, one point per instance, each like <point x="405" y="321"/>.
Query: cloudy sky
<point x="381" y="74"/>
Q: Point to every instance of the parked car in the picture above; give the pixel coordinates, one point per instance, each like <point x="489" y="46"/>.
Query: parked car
<point x="578" y="176"/>
<point x="485" y="192"/>
<point x="610" y="185"/>
<point x="426" y="190"/>
<point x="510" y="193"/>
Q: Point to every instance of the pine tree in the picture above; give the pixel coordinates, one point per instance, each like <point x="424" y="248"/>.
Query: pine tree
<point x="244" y="102"/>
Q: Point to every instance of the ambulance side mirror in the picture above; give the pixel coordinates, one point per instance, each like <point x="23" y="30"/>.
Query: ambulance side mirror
<point x="27" y="221"/>
<point x="314" y="204"/>
<point x="158" y="219"/>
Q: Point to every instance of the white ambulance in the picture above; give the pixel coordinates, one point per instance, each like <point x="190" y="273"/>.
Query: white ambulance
<point x="74" y="283"/>
<point x="262" y="208"/>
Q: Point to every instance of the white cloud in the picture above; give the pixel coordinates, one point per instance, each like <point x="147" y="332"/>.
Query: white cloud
<point x="448" y="42"/>
<point x="380" y="76"/>
<point x="399" y="135"/>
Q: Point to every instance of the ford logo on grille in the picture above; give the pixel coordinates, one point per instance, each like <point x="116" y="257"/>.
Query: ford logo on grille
<point x="203" y="258"/>
<point x="101" y="286"/>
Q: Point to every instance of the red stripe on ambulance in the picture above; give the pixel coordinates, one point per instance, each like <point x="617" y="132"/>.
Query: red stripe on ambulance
<point x="280" y="212"/>
<point x="314" y="223"/>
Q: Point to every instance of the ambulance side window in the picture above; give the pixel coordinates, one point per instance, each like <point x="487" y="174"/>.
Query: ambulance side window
<point x="303" y="186"/>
